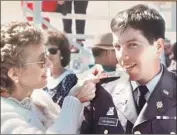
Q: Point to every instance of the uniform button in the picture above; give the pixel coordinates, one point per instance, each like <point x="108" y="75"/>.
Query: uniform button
<point x="106" y="131"/>
<point x="172" y="133"/>
<point x="137" y="132"/>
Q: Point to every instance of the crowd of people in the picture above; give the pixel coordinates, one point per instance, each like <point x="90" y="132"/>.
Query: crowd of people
<point x="39" y="95"/>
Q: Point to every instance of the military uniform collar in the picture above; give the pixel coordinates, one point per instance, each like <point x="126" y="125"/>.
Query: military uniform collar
<point x="161" y="100"/>
<point x="151" y="84"/>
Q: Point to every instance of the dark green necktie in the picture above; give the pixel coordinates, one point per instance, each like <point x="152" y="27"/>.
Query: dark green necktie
<point x="143" y="90"/>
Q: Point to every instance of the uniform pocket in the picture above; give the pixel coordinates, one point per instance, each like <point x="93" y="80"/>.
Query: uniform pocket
<point x="164" y="126"/>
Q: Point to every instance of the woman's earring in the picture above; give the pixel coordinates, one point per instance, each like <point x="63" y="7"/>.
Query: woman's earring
<point x="61" y="57"/>
<point x="16" y="81"/>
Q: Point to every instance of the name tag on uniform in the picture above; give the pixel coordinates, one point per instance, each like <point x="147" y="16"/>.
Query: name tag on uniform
<point x="108" y="121"/>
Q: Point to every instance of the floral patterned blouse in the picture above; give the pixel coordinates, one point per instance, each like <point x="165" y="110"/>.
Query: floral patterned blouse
<point x="62" y="87"/>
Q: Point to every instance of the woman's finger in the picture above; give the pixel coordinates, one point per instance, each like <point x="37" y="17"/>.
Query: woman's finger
<point x="97" y="69"/>
<point x="87" y="98"/>
<point x="86" y="91"/>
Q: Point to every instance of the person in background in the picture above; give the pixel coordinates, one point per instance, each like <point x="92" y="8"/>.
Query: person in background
<point x="80" y="7"/>
<point x="25" y="108"/>
<point x="168" y="52"/>
<point x="61" y="80"/>
<point x="103" y="52"/>
<point x="173" y="65"/>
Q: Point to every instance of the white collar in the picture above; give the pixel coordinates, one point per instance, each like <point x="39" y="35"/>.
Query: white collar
<point x="53" y="82"/>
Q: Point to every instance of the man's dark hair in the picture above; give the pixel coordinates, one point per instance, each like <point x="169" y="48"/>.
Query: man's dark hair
<point x="143" y="18"/>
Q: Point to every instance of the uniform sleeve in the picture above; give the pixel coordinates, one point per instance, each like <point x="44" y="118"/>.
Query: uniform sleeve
<point x="66" y="123"/>
<point x="86" y="127"/>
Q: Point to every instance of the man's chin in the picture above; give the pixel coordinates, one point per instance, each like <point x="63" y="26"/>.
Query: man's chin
<point x="133" y="78"/>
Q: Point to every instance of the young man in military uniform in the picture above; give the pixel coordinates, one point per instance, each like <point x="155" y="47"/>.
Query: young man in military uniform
<point x="144" y="102"/>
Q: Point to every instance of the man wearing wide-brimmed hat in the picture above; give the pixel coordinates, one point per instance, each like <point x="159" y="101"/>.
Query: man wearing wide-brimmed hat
<point x="103" y="51"/>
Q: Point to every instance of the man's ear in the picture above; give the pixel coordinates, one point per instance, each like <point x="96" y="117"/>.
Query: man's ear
<point x="159" y="45"/>
<point x="13" y="74"/>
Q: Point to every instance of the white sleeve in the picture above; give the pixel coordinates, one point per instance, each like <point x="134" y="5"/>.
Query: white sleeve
<point x="66" y="123"/>
<point x="13" y="123"/>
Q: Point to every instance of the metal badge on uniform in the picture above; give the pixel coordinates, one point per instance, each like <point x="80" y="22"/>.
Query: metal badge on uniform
<point x="159" y="104"/>
<point x="110" y="111"/>
<point x="108" y="121"/>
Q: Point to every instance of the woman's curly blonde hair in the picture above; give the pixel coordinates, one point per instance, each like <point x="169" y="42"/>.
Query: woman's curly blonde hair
<point x="15" y="37"/>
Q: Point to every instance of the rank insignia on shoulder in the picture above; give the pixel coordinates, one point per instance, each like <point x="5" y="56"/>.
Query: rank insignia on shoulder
<point x="165" y="92"/>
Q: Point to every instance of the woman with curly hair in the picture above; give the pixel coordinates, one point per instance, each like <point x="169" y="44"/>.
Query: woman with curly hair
<point x="25" y="108"/>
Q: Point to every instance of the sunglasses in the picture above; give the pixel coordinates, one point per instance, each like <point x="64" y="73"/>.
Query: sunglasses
<point x="53" y="51"/>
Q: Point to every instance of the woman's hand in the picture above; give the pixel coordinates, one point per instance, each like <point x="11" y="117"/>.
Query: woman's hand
<point x="86" y="86"/>
<point x="86" y="92"/>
